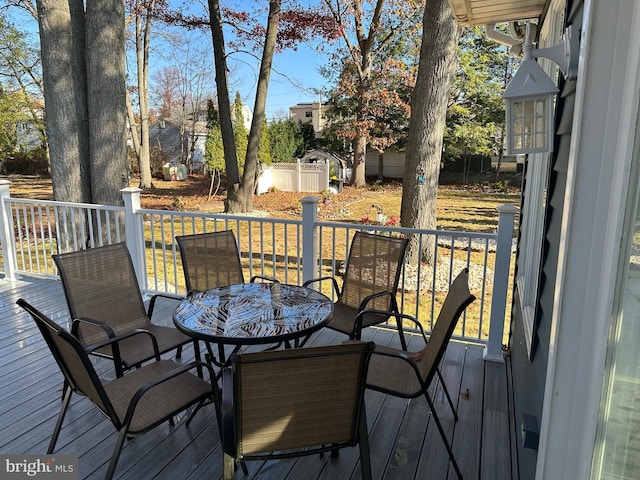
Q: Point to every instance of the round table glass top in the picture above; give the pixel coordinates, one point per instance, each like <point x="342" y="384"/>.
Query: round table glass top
<point x="253" y="313"/>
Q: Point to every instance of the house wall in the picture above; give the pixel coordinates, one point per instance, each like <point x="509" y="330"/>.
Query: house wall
<point x="588" y="181"/>
<point x="529" y="358"/>
<point x="393" y="164"/>
<point x="165" y="136"/>
<point x="313" y="113"/>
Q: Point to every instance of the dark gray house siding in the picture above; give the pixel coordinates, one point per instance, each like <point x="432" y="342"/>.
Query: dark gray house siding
<point x="164" y="137"/>
<point x="529" y="374"/>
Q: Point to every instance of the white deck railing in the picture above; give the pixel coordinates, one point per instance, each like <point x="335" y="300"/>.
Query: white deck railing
<point x="290" y="250"/>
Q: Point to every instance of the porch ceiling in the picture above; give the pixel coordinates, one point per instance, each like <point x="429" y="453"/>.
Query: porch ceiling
<point x="482" y="12"/>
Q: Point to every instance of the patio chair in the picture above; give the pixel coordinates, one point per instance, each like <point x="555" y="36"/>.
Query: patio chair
<point x="211" y="260"/>
<point x="288" y="403"/>
<point x="408" y="375"/>
<point x="134" y="403"/>
<point x="370" y="282"/>
<point x="104" y="301"/>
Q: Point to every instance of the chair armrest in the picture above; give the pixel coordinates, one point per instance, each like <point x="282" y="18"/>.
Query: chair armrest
<point x="154" y="297"/>
<point x="75" y="325"/>
<point x="228" y="414"/>
<point x="114" y="341"/>
<point x="373" y="296"/>
<point x="393" y="352"/>
<point x="320" y="279"/>
<point x="398" y="315"/>
<point x="263" y="277"/>
<point x="172" y="374"/>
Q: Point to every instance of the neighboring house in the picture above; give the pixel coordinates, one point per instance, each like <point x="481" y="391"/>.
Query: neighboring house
<point x="575" y="330"/>
<point x="29" y="131"/>
<point x="197" y="133"/>
<point x="392" y="163"/>
<point x="164" y="137"/>
<point x="312" y="112"/>
<point x="28" y="136"/>
<point x="340" y="168"/>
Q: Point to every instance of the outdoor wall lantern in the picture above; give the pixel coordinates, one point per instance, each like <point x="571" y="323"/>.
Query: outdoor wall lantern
<point x="529" y="96"/>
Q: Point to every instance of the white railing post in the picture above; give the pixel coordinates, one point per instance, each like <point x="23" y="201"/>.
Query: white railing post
<point x="7" y="236"/>
<point x="493" y="349"/>
<point x="134" y="236"/>
<point x="309" y="240"/>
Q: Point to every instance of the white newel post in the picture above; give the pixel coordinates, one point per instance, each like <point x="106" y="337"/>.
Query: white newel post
<point x="134" y="236"/>
<point x="309" y="240"/>
<point x="493" y="349"/>
<point x="6" y="233"/>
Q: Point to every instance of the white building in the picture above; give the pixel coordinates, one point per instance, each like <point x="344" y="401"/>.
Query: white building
<point x="312" y="112"/>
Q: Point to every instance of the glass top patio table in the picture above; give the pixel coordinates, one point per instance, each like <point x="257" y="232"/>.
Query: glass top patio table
<point x="253" y="313"/>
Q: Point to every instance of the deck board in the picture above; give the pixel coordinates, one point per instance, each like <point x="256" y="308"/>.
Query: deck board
<point x="403" y="440"/>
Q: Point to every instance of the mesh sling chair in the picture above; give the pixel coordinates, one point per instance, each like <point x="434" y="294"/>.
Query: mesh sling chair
<point x="134" y="403"/>
<point x="288" y="403"/>
<point x="408" y="375"/>
<point x="370" y="282"/>
<point x="104" y="301"/>
<point x="211" y="260"/>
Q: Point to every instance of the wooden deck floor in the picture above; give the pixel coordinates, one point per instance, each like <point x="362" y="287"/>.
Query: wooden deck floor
<point x="404" y="442"/>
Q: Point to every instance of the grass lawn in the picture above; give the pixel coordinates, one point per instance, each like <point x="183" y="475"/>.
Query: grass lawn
<point x="460" y="207"/>
<point x="470" y="208"/>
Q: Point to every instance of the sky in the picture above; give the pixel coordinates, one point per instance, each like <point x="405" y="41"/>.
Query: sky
<point x="295" y="76"/>
<point x="294" y="79"/>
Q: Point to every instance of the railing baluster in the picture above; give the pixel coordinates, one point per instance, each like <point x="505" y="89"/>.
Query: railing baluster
<point x="310" y="242"/>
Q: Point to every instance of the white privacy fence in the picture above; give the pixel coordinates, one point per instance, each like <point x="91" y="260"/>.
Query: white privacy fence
<point x="300" y="177"/>
<point x="290" y="250"/>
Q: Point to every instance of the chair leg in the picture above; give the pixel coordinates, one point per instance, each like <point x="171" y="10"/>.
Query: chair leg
<point x="179" y="352"/>
<point x="195" y="410"/>
<point x="444" y="436"/>
<point x="403" y="342"/>
<point x="66" y="397"/>
<point x="446" y="392"/>
<point x="229" y="467"/>
<point x="64" y="389"/>
<point x="122" y="436"/>
<point x="365" y="456"/>
<point x="196" y="354"/>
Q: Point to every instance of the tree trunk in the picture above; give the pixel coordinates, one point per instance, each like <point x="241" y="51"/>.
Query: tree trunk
<point x="244" y="200"/>
<point x="224" y="105"/>
<point x="133" y="130"/>
<point x="64" y="80"/>
<point x="381" y="166"/>
<point x="142" y="62"/>
<point x="358" y="178"/>
<point x="105" y="59"/>
<point x="427" y="122"/>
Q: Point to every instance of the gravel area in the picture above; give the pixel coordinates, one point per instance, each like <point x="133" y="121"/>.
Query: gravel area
<point x="443" y="275"/>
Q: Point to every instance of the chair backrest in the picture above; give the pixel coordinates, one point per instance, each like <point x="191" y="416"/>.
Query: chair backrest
<point x="457" y="300"/>
<point x="373" y="265"/>
<point x="210" y="260"/>
<point x="100" y="283"/>
<point x="296" y="398"/>
<point x="72" y="359"/>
